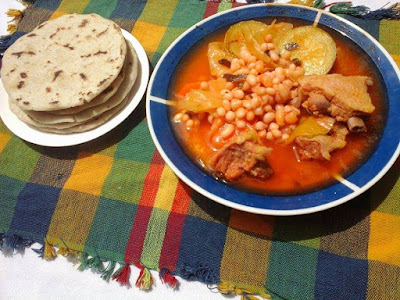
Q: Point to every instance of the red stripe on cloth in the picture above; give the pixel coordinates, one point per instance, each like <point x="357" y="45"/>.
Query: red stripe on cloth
<point x="151" y="183"/>
<point x="211" y="9"/>
<point x="134" y="248"/>
<point x="236" y="4"/>
<point x="157" y="159"/>
<point x="152" y="180"/>
<point x="172" y="240"/>
<point x="181" y="199"/>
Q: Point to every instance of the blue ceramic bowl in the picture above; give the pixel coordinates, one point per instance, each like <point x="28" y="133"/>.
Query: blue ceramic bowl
<point x="353" y="185"/>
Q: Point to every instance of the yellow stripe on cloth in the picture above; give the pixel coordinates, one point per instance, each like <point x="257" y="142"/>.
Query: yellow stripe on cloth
<point x="166" y="191"/>
<point x="149" y="35"/>
<point x="396" y="58"/>
<point x="83" y="177"/>
<point x="383" y="246"/>
<point x="4" y="138"/>
<point x="72" y="6"/>
<point x="72" y="219"/>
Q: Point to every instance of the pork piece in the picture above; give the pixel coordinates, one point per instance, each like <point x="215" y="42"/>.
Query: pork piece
<point x="347" y="95"/>
<point x="356" y="125"/>
<point x="235" y="160"/>
<point x="320" y="146"/>
<point x="317" y="104"/>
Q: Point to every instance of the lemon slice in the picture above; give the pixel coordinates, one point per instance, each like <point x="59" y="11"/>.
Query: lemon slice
<point x="312" y="46"/>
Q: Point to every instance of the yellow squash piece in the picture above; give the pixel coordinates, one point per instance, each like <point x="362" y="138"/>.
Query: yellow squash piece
<point x="308" y="127"/>
<point x="248" y="34"/>
<point x="315" y="49"/>
<point x="251" y="35"/>
<point x="219" y="60"/>
<point x="202" y="101"/>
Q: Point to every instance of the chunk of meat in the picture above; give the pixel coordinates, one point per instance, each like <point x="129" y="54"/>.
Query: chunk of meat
<point x="356" y="125"/>
<point x="235" y="160"/>
<point x="317" y="104"/>
<point x="348" y="95"/>
<point x="320" y="146"/>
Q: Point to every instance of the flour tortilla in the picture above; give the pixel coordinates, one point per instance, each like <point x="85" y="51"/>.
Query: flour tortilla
<point x="63" y="63"/>
<point x="130" y="70"/>
<point x="24" y="117"/>
<point x="93" y="123"/>
<point x="103" y="97"/>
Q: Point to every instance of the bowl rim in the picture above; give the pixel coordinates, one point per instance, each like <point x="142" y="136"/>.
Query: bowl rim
<point x="266" y="211"/>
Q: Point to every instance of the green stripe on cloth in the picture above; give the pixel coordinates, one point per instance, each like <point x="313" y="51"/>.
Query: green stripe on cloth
<point x="164" y="11"/>
<point x="9" y="191"/>
<point x="119" y="186"/>
<point x="73" y="6"/>
<point x="154" y="238"/>
<point x="18" y="160"/>
<point x="292" y="270"/>
<point x="108" y="235"/>
<point x="102" y="7"/>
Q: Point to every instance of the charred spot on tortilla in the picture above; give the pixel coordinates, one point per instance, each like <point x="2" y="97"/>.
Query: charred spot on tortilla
<point x="56" y="74"/>
<point x="23" y="75"/>
<point x="18" y="54"/>
<point x="21" y="84"/>
<point x="101" y="33"/>
<point x="102" y="82"/>
<point x="100" y="52"/>
<point x="69" y="47"/>
<point x="83" y="23"/>
<point x="83" y="76"/>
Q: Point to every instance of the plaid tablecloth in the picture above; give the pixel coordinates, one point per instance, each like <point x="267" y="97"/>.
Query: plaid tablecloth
<point x="114" y="203"/>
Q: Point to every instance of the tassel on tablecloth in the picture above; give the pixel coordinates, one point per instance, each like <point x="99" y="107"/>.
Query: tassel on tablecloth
<point x="49" y="252"/>
<point x="145" y="280"/>
<point x="230" y="289"/>
<point x="167" y="278"/>
<point x="14" y="242"/>
<point x="361" y="11"/>
<point x="122" y="275"/>
<point x="107" y="273"/>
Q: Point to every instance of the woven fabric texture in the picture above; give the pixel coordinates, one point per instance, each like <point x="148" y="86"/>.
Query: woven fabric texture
<point x="115" y="200"/>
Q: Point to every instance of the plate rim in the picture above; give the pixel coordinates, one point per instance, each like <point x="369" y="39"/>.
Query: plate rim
<point x="257" y="210"/>
<point x="32" y="135"/>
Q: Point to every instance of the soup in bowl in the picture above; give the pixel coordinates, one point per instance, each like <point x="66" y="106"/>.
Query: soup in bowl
<point x="276" y="109"/>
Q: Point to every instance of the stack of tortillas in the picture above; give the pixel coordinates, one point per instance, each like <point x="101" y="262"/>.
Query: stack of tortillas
<point x="70" y="74"/>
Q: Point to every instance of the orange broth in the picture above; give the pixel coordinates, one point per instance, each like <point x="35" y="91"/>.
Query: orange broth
<point x="290" y="176"/>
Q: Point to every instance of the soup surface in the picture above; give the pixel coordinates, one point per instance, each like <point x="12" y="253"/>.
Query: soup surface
<point x="272" y="122"/>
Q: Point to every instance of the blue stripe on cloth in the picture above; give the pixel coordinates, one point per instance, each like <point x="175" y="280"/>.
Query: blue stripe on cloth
<point x="334" y="271"/>
<point x="124" y="9"/>
<point x="202" y="246"/>
<point x="370" y="26"/>
<point x="12" y="40"/>
<point x="33" y="211"/>
<point x="46" y="4"/>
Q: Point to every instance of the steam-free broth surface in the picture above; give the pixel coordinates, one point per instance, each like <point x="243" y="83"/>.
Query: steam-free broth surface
<point x="290" y="175"/>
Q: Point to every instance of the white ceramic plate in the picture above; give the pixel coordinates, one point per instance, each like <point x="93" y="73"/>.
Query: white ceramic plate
<point x="35" y="136"/>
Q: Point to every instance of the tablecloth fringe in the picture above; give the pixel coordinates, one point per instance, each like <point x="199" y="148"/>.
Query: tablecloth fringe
<point x="247" y="293"/>
<point x="12" y="242"/>
<point x="15" y="243"/>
